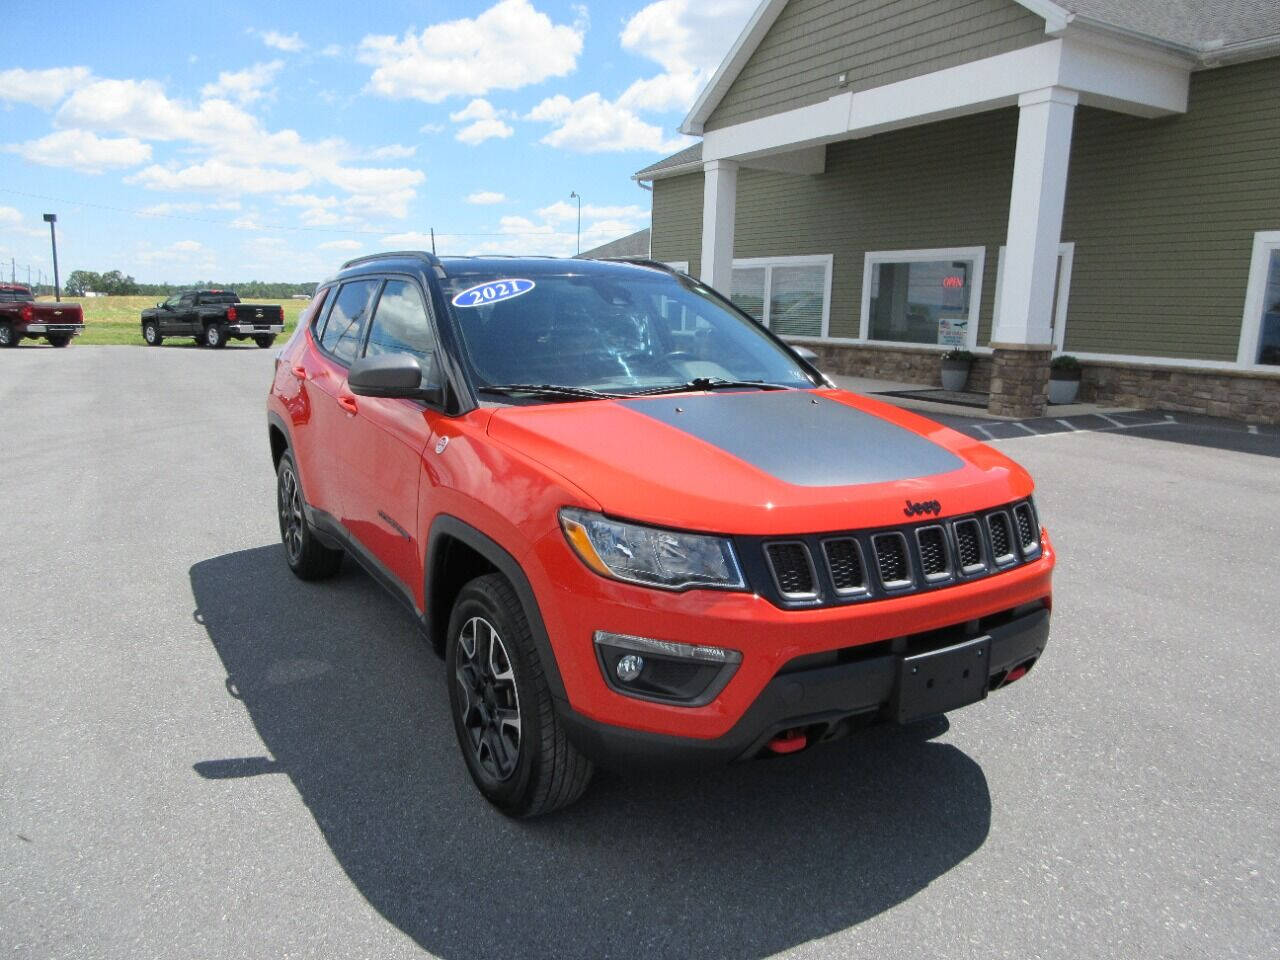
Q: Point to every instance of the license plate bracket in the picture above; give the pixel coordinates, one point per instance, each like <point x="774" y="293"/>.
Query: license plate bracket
<point x="941" y="680"/>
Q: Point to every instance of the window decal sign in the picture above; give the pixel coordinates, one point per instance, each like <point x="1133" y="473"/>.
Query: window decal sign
<point x="495" y="291"/>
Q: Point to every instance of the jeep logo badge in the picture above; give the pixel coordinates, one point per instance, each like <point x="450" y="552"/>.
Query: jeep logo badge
<point x="913" y="509"/>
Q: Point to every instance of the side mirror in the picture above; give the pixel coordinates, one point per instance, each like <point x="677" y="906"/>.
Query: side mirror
<point x="396" y="375"/>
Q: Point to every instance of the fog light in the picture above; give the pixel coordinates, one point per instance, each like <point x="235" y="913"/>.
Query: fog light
<point x="681" y="673"/>
<point x="629" y="667"/>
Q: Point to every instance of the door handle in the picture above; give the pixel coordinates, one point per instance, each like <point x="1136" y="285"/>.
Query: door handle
<point x="348" y="403"/>
<point x="300" y="372"/>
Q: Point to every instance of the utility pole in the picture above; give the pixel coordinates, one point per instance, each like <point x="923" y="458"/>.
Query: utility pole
<point x="433" y="241"/>
<point x="51" y="219"/>
<point x="574" y="195"/>
<point x="13" y="271"/>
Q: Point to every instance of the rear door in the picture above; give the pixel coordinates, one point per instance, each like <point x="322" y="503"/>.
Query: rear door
<point x="389" y="438"/>
<point x="325" y="454"/>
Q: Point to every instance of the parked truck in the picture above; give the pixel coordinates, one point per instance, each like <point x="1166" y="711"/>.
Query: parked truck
<point x="211" y="318"/>
<point x="22" y="317"/>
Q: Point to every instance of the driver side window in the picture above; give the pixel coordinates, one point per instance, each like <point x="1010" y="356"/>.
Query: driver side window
<point x="188" y="299"/>
<point x="172" y="302"/>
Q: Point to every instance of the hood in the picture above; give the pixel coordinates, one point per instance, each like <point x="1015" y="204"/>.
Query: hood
<point x="761" y="462"/>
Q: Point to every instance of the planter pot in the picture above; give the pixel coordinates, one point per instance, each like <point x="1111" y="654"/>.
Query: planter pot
<point x="1062" y="390"/>
<point x="955" y="374"/>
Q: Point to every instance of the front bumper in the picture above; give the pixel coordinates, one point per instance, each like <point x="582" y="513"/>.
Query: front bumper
<point x="575" y="603"/>
<point x="43" y="329"/>
<point x="823" y="701"/>
<point x="252" y="329"/>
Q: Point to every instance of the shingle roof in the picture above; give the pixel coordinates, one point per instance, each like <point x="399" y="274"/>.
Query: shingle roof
<point x="1201" y="24"/>
<point x="689" y="156"/>
<point x="632" y="245"/>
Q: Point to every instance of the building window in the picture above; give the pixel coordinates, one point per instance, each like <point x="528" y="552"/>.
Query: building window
<point x="1061" y="293"/>
<point x="923" y="296"/>
<point x="789" y="295"/>
<point x="1260" y="333"/>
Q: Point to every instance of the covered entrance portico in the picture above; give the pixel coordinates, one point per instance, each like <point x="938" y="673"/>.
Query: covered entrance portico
<point x="1046" y="82"/>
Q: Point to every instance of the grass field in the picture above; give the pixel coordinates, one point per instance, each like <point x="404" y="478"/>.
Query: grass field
<point x="117" y="321"/>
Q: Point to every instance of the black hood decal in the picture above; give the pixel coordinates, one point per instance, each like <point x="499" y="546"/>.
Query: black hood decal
<point x="801" y="438"/>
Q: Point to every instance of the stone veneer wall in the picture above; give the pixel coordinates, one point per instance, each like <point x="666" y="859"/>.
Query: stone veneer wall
<point x="1250" y="396"/>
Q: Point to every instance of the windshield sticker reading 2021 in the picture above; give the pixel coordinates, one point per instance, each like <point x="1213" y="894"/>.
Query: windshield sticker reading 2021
<point x="495" y="291"/>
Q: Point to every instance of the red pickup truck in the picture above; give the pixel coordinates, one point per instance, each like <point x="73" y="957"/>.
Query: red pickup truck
<point x="21" y="316"/>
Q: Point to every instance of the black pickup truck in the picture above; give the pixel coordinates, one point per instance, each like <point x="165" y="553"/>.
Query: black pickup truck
<point x="212" y="317"/>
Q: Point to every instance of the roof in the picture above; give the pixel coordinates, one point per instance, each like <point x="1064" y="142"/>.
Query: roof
<point x="533" y="266"/>
<point x="690" y="157"/>
<point x="1212" y="31"/>
<point x="632" y="245"/>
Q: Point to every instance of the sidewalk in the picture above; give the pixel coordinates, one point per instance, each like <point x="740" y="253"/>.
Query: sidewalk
<point x="878" y="388"/>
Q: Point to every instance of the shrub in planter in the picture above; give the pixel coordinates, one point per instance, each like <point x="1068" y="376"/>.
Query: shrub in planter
<point x="955" y="369"/>
<point x="1064" y="379"/>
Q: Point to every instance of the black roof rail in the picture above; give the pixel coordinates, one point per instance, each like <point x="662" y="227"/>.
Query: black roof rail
<point x="639" y="262"/>
<point x="391" y="254"/>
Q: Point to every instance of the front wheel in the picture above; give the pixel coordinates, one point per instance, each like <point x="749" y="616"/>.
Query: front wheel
<point x="264" y="342"/>
<point x="58" y="339"/>
<point x="512" y="741"/>
<point x="308" y="558"/>
<point x="8" y="336"/>
<point x="215" y="336"/>
<point x="151" y="333"/>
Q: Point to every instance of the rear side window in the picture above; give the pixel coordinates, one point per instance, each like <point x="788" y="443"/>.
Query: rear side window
<point x="400" y="324"/>
<point x="347" y="319"/>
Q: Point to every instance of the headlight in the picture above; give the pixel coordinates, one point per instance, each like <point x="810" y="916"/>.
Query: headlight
<point x="651" y="556"/>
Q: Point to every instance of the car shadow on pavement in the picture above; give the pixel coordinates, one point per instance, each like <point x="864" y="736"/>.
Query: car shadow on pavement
<point x="745" y="861"/>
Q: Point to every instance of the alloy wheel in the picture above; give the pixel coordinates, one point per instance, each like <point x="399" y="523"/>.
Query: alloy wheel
<point x="488" y="702"/>
<point x="291" y="520"/>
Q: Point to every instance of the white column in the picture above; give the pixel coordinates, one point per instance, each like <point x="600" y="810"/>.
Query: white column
<point x="719" y="206"/>
<point x="1045" y="119"/>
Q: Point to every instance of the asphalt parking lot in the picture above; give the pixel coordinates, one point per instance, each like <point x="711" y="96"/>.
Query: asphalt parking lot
<point x="203" y="756"/>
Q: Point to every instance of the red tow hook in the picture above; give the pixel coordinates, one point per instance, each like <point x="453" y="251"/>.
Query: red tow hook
<point x="789" y="741"/>
<point x="1017" y="673"/>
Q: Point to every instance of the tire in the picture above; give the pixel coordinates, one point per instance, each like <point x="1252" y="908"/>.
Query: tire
<point x="58" y="339"/>
<point x="511" y="739"/>
<point x="215" y="336"/>
<point x="151" y="333"/>
<point x="308" y="558"/>
<point x="264" y="342"/>
<point x="199" y="340"/>
<point x="8" y="336"/>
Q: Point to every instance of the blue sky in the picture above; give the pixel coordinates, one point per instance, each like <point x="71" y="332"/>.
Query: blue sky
<point x="245" y="141"/>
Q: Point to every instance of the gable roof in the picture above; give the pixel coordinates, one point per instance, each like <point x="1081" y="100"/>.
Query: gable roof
<point x="632" y="245"/>
<point x="1213" y="31"/>
<point x="688" y="159"/>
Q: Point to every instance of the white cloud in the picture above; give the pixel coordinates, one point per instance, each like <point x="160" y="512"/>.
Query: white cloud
<point x="9" y="216"/>
<point x="688" y="39"/>
<point x="187" y="246"/>
<point x="40" y="88"/>
<point x="84" y="151"/>
<point x="181" y="254"/>
<point x="392" y="151"/>
<point x="592" y="124"/>
<point x="140" y="108"/>
<point x="219" y="176"/>
<point x="486" y="123"/>
<point x="431" y="128"/>
<point x="483" y="198"/>
<point x="413" y="240"/>
<point x="509" y="46"/>
<point x="244" y="86"/>
<point x="341" y="245"/>
<point x="332" y="50"/>
<point x="289" y="43"/>
<point x="563" y="212"/>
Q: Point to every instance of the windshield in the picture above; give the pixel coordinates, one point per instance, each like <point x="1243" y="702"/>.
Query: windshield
<point x="14" y="295"/>
<point x="615" y="334"/>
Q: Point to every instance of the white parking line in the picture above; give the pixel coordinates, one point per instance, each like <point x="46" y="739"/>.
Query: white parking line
<point x="1068" y="425"/>
<point x="1253" y="428"/>
<point x="1074" y="430"/>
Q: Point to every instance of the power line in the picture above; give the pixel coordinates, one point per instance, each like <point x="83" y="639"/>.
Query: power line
<point x="147" y="215"/>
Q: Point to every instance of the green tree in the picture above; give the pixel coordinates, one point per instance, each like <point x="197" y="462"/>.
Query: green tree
<point x="82" y="281"/>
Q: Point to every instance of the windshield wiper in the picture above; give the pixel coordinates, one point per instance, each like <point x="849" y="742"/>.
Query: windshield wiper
<point x="549" y="390"/>
<point x="709" y="383"/>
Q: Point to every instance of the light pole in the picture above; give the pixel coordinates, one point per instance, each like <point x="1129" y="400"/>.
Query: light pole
<point x="51" y="219"/>
<point x="575" y="196"/>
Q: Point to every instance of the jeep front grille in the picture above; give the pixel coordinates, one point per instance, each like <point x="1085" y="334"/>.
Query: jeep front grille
<point x="852" y="566"/>
<point x="792" y="569"/>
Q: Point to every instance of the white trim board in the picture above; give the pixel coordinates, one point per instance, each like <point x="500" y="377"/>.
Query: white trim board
<point x="873" y="257"/>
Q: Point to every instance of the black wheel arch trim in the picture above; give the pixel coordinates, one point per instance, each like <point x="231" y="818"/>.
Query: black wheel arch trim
<point x="448" y="526"/>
